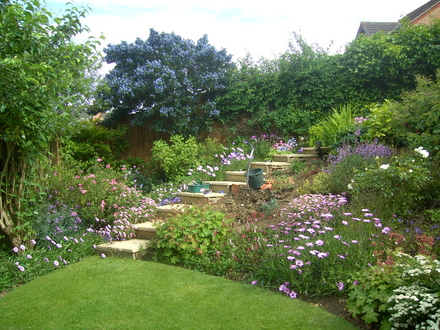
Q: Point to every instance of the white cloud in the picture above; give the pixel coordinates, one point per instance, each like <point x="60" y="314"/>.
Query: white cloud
<point x="262" y="28"/>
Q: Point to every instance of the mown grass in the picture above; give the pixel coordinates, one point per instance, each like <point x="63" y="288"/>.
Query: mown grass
<point x="116" y="293"/>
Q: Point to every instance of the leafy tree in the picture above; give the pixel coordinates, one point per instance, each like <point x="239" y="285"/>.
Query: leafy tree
<point x="43" y="75"/>
<point x="310" y="78"/>
<point x="252" y="96"/>
<point x="167" y="78"/>
<point x="385" y="65"/>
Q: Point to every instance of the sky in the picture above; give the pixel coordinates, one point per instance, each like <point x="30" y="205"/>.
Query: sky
<point x="260" y="28"/>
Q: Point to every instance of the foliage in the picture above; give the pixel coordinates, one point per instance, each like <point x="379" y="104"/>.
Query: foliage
<point x="416" y="306"/>
<point x="329" y="128"/>
<point x="171" y="80"/>
<point x="174" y="159"/>
<point x="45" y="75"/>
<point x="271" y="207"/>
<point x="318" y="245"/>
<point x="89" y="140"/>
<point x="39" y="257"/>
<point x="401" y="293"/>
<point x="310" y="80"/>
<point x="182" y="238"/>
<point x="100" y="200"/>
<point x="251" y="96"/>
<point x="316" y="184"/>
<point x="391" y="189"/>
<point x="418" y="116"/>
<point x="364" y="149"/>
<point x="380" y="123"/>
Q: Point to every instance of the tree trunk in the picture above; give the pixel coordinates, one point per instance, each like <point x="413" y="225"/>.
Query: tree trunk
<point x="8" y="227"/>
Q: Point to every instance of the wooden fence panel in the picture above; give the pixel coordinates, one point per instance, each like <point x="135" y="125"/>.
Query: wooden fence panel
<point x="141" y="138"/>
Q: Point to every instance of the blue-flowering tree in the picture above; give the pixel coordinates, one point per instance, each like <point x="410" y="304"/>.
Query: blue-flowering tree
<point x="173" y="81"/>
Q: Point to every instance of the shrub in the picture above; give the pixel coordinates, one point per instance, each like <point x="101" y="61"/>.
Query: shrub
<point x="174" y="159"/>
<point x="391" y="189"/>
<point x="403" y="293"/>
<point x="414" y="306"/>
<point x="365" y="149"/>
<point x="182" y="238"/>
<point x="90" y="140"/>
<point x="317" y="184"/>
<point x="418" y="116"/>
<point x="379" y="123"/>
<point x="100" y="200"/>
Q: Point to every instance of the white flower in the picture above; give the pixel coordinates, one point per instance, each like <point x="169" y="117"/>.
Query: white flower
<point x="384" y="166"/>
<point x="423" y="152"/>
<point x="349" y="186"/>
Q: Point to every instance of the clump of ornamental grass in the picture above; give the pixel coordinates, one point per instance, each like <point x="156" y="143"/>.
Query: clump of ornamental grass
<point x="318" y="245"/>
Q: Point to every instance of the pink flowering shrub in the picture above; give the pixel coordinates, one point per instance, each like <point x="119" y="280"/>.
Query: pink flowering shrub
<point x="99" y="199"/>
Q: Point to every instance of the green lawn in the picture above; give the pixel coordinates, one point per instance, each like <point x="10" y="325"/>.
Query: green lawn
<point x="116" y="293"/>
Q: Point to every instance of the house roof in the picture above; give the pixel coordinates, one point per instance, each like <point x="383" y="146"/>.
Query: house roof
<point x="421" y="10"/>
<point x="370" y="28"/>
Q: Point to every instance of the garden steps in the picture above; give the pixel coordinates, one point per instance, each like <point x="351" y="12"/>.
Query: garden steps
<point x="194" y="198"/>
<point x="288" y="158"/>
<point x="307" y="153"/>
<point x="136" y="248"/>
<point x="147" y="230"/>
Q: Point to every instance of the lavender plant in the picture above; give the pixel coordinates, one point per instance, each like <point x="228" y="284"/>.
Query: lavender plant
<point x="364" y="149"/>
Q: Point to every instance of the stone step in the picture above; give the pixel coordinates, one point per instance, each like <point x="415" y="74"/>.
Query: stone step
<point x="293" y="157"/>
<point x="166" y="211"/>
<point x="131" y="249"/>
<point x="194" y="198"/>
<point x="315" y="150"/>
<point x="147" y="230"/>
<point x="224" y="186"/>
<point x="236" y="176"/>
<point x="270" y="167"/>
